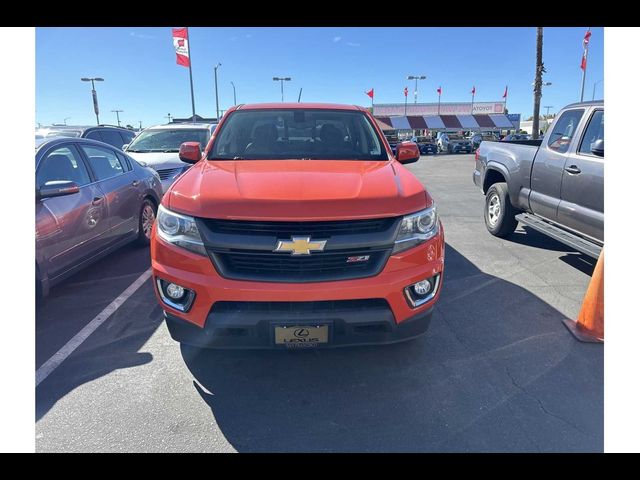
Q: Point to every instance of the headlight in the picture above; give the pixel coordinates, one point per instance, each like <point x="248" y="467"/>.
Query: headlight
<point x="416" y="228"/>
<point x="180" y="230"/>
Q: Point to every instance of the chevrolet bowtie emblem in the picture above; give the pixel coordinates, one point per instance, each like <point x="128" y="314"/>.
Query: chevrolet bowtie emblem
<point x="300" y="246"/>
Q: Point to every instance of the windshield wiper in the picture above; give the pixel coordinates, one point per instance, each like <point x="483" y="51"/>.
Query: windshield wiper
<point x="137" y="151"/>
<point x="170" y="150"/>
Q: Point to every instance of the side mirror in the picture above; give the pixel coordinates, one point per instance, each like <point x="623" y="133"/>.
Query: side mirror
<point x="190" y="152"/>
<point x="408" y="152"/>
<point x="597" y="148"/>
<point x="57" y="188"/>
<point x="124" y="147"/>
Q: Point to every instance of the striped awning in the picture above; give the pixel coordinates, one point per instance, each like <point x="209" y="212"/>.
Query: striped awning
<point x="445" y="122"/>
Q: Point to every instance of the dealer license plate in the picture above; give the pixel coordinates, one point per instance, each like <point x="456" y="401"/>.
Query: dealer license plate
<point x="301" y="336"/>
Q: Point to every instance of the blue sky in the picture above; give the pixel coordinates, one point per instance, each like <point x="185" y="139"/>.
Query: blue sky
<point x="333" y="64"/>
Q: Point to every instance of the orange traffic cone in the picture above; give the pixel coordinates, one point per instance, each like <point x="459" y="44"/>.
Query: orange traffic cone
<point x="590" y="324"/>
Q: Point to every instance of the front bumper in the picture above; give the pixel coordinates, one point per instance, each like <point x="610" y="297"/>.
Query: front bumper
<point x="255" y="329"/>
<point x="197" y="273"/>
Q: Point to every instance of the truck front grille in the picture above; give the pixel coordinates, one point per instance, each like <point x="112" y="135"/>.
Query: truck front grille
<point x="284" y="267"/>
<point x="244" y="250"/>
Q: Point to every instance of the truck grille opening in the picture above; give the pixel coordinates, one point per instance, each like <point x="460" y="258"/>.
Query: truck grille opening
<point x="286" y="229"/>
<point x="243" y="250"/>
<point x="283" y="267"/>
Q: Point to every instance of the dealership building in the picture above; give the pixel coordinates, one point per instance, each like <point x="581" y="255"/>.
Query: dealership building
<point x="420" y="117"/>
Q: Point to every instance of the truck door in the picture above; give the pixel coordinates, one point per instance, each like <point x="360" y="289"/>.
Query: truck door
<point x="582" y="201"/>
<point x="548" y="167"/>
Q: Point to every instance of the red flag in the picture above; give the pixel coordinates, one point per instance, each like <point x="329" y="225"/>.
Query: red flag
<point x="370" y="93"/>
<point x="506" y="90"/>
<point x="585" y="46"/>
<point x="181" y="44"/>
<point x="406" y="91"/>
<point x="473" y="90"/>
<point x="439" y="90"/>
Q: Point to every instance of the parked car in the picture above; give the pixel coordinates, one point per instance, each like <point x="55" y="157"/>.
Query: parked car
<point x="91" y="199"/>
<point x="114" y="136"/>
<point x="514" y="137"/>
<point x="477" y="138"/>
<point x="426" y="145"/>
<point x="297" y="227"/>
<point x="554" y="185"/>
<point x="158" y="147"/>
<point x="452" y="143"/>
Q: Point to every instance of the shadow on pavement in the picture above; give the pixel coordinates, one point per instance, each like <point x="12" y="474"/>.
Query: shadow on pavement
<point x="532" y="238"/>
<point x="497" y="371"/>
<point x="120" y="337"/>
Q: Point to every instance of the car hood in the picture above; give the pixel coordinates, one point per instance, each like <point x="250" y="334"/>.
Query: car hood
<point x="158" y="160"/>
<point x="296" y="189"/>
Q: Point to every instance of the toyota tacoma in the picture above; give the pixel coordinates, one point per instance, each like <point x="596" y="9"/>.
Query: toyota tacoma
<point x="554" y="185"/>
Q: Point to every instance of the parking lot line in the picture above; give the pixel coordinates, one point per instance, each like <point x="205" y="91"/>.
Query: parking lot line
<point x="60" y="356"/>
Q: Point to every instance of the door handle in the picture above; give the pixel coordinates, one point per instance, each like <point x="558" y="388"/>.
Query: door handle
<point x="135" y="183"/>
<point x="96" y="201"/>
<point x="573" y="169"/>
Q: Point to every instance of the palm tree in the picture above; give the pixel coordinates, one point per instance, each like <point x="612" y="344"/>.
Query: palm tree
<point x="537" y="88"/>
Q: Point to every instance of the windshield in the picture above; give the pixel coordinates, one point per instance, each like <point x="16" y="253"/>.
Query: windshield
<point x="166" y="140"/>
<point x="297" y="134"/>
<point x="48" y="133"/>
<point x="455" y="136"/>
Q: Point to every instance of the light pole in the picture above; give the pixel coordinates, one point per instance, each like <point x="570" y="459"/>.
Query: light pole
<point x="65" y="119"/>
<point x="168" y="115"/>
<point x="282" y="80"/>
<point x="593" y="96"/>
<point x="117" y="112"/>
<point x="415" y="92"/>
<point x="140" y="123"/>
<point x="94" y="94"/>
<point x="548" y="107"/>
<point x="234" y="93"/>
<point x="215" y="75"/>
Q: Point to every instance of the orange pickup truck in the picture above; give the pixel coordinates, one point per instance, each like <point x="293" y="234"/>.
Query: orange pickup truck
<point x="297" y="227"/>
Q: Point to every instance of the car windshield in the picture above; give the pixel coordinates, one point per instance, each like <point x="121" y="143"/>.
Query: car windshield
<point x="168" y="140"/>
<point x="455" y="136"/>
<point x="422" y="139"/>
<point x="48" y="133"/>
<point x="297" y="134"/>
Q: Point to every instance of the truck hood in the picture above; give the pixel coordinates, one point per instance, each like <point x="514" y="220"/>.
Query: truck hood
<point x="158" y="160"/>
<point x="296" y="189"/>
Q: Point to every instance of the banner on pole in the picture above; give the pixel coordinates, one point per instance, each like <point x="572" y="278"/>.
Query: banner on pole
<point x="181" y="44"/>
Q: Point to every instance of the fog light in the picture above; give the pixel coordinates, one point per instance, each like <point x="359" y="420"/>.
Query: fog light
<point x="423" y="291"/>
<point x="175" y="296"/>
<point x="175" y="291"/>
<point x="422" y="288"/>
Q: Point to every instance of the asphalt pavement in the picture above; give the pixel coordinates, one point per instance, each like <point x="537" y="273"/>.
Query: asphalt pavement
<point x="497" y="371"/>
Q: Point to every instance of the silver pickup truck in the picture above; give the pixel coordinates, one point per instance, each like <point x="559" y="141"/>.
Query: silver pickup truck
<point x="554" y="186"/>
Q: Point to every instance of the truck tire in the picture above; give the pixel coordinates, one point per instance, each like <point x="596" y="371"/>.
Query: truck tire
<point x="499" y="214"/>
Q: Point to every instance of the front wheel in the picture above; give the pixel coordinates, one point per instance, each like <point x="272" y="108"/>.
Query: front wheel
<point x="499" y="214"/>
<point x="145" y="221"/>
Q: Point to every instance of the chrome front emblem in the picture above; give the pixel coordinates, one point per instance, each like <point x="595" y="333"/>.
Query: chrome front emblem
<point x="300" y="246"/>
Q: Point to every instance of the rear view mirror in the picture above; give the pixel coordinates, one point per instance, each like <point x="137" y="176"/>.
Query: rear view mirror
<point x="57" y="188"/>
<point x="597" y="148"/>
<point x="407" y="152"/>
<point x="190" y="152"/>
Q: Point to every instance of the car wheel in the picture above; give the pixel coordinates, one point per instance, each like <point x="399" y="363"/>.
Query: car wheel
<point x="145" y="221"/>
<point x="499" y="214"/>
